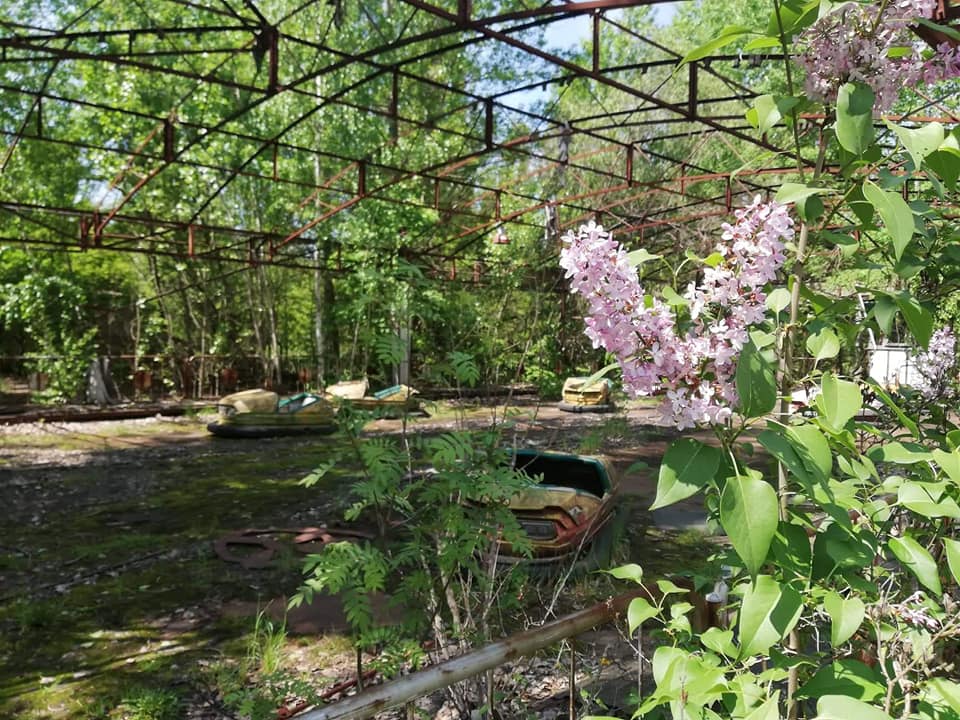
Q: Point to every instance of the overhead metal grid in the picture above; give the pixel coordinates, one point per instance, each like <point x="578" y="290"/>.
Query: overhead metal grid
<point x="227" y="108"/>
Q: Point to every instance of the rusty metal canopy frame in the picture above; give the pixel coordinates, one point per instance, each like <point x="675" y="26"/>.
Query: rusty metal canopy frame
<point x="238" y="93"/>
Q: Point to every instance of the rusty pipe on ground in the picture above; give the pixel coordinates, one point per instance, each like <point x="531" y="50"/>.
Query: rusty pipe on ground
<point x="402" y="690"/>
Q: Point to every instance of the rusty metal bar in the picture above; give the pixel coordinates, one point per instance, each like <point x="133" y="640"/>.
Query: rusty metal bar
<point x="168" y="141"/>
<point x="692" y="90"/>
<point x="596" y="42"/>
<point x="273" y="59"/>
<point x="488" y="123"/>
<point x="402" y="690"/>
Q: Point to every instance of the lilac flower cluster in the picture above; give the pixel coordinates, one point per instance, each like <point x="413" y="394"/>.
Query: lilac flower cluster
<point x="937" y="366"/>
<point x="692" y="359"/>
<point x="872" y="43"/>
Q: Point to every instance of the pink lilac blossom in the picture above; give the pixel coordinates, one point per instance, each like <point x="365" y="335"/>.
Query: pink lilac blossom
<point x="691" y="360"/>
<point x="937" y="366"/>
<point x="872" y="43"/>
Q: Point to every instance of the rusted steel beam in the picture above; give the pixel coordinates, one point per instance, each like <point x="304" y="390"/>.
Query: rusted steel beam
<point x="397" y="692"/>
<point x="692" y="90"/>
<point x="580" y="71"/>
<point x="596" y="42"/>
<point x="273" y="59"/>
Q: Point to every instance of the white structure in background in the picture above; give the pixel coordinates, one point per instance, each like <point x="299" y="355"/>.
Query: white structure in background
<point x="891" y="363"/>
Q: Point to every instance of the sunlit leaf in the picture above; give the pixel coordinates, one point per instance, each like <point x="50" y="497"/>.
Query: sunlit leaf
<point x="842" y="707"/>
<point x="687" y="466"/>
<point x="846" y="616"/>
<point x="838" y="401"/>
<point x="768" y="612"/>
<point x="850" y="678"/>
<point x="855" y="117"/>
<point x="639" y="611"/>
<point x="749" y="515"/>
<point x="727" y="35"/>
<point x="919" y="142"/>
<point x="918" y="561"/>
<point x="823" y="344"/>
<point x="895" y="213"/>
<point x="756" y="382"/>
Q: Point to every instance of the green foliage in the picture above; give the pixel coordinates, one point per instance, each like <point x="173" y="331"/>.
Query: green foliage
<point x="265" y="649"/>
<point x="143" y="703"/>
<point x="440" y="506"/>
<point x="847" y="550"/>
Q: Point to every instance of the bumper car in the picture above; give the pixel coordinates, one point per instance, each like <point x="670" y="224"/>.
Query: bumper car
<point x="579" y="396"/>
<point x="567" y="512"/>
<point x="390" y="402"/>
<point x="263" y="413"/>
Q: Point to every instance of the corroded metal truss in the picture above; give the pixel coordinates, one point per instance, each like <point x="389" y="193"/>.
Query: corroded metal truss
<point x="223" y="101"/>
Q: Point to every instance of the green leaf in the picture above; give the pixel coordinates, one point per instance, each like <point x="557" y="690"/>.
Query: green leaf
<point x="792" y="18"/>
<point x="919" y="320"/>
<point x="639" y="611"/>
<point x="850" y="678"/>
<point x="768" y="612"/>
<point x="770" y="710"/>
<point x="668" y="587"/>
<point x="810" y="208"/>
<point x="920" y="562"/>
<point x="762" y="339"/>
<point x="673" y="298"/>
<point x="845" y="617"/>
<point x="638" y="257"/>
<point x="756" y="382"/>
<point x="749" y="514"/>
<point x="791" y="552"/>
<point x="720" y="641"/>
<point x="778" y="300"/>
<point x="842" y="707"/>
<point x="768" y="110"/>
<point x="727" y="35"/>
<point x="859" y="206"/>
<point x="600" y="374"/>
<point x="904" y="420"/>
<point x="823" y="344"/>
<point x="885" y="311"/>
<point x="950" y="32"/>
<point x="783" y="450"/>
<point x="762" y="43"/>
<point x="713" y="259"/>
<point x="895" y="213"/>
<point x="812" y="448"/>
<point x="919" y="142"/>
<point x="949" y="462"/>
<point x="855" y="117"/>
<point x="900" y="453"/>
<point x="630" y="571"/>
<point x="838" y="402"/>
<point x="927" y="499"/>
<point x="687" y="466"/>
<point x="945" y="162"/>
<point x="795" y="192"/>
<point x="952" y="548"/>
<point x="944" y="690"/>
